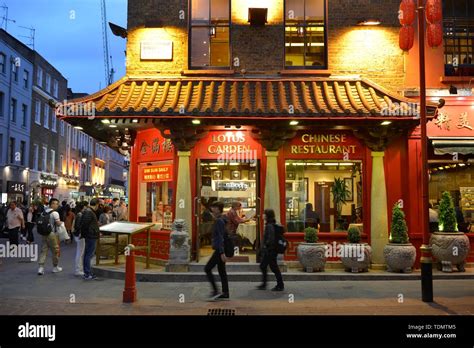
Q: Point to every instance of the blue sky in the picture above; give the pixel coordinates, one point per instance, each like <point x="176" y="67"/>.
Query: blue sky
<point x="69" y="36"/>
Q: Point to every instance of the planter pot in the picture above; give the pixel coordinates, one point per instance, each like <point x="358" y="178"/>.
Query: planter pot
<point x="399" y="257"/>
<point x="356" y="257"/>
<point x="312" y="256"/>
<point x="450" y="249"/>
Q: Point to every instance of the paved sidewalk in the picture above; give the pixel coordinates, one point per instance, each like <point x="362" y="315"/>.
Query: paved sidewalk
<point x="23" y="292"/>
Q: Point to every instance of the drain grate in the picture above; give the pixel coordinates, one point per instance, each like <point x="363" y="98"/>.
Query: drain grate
<point x="221" y="312"/>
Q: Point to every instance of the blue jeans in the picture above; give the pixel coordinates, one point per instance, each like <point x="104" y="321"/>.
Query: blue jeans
<point x="88" y="253"/>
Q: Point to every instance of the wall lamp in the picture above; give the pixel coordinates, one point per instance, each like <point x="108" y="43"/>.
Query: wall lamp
<point x="369" y="22"/>
<point x="258" y="16"/>
<point x="118" y="30"/>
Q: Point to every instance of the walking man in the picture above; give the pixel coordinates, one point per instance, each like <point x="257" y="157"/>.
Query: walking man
<point x="15" y="221"/>
<point x="218" y="257"/>
<point x="50" y="239"/>
<point x="90" y="233"/>
<point x="269" y="251"/>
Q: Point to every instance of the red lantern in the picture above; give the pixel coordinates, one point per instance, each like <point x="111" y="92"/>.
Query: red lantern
<point x="407" y="12"/>
<point x="435" y="35"/>
<point x="434" y="11"/>
<point x="407" y="37"/>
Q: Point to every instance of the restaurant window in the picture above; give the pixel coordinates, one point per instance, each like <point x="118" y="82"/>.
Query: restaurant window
<point x="209" y="36"/>
<point x="305" y="34"/>
<point x="309" y="199"/>
<point x="156" y="194"/>
<point x="458" y="37"/>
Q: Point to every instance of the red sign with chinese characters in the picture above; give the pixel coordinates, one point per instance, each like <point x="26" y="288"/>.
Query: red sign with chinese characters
<point x="157" y="173"/>
<point x="153" y="147"/>
<point x="453" y="121"/>
<point x="308" y="145"/>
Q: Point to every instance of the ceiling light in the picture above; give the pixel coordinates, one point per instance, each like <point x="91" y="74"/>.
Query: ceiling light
<point x="294" y="123"/>
<point x="386" y="123"/>
<point x="196" y="122"/>
<point x="113" y="126"/>
<point x="105" y="121"/>
<point x="78" y="127"/>
<point x="135" y="120"/>
<point x="369" y="22"/>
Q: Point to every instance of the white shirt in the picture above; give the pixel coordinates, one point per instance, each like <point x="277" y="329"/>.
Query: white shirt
<point x="14" y="218"/>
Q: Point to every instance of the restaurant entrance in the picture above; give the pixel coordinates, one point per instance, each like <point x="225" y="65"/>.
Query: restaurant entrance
<point x="236" y="184"/>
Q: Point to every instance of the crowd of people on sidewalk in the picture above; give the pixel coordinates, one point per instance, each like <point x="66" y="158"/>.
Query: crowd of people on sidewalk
<point x="81" y="220"/>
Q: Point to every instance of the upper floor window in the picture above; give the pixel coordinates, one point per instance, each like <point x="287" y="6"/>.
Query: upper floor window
<point x="39" y="77"/>
<point x="209" y="36"/>
<point x="55" y="88"/>
<point x="15" y="71"/>
<point x="46" y="116"/>
<point x="48" y="83"/>
<point x="2" y="103"/>
<point x="3" y="60"/>
<point x="26" y="76"/>
<point x="458" y="37"/>
<point x="305" y="34"/>
<point x="38" y="112"/>
<point x="13" y="110"/>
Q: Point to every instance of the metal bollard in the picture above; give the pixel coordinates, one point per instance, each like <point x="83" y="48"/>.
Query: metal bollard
<point x="130" y="291"/>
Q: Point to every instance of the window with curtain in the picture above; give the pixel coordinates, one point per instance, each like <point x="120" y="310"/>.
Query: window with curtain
<point x="209" y="36"/>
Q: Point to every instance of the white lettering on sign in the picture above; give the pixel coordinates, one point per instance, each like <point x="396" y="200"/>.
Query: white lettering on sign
<point x="156" y="50"/>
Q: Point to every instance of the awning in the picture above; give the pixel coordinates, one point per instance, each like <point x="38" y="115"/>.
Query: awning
<point x="450" y="147"/>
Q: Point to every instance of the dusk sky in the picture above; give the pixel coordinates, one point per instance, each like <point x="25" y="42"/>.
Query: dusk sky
<point x="69" y="36"/>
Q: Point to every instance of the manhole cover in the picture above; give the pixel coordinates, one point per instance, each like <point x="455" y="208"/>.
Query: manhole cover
<point x="221" y="312"/>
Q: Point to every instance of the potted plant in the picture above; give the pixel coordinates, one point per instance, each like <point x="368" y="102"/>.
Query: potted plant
<point x="356" y="257"/>
<point x="399" y="254"/>
<point x="449" y="247"/>
<point x="339" y="194"/>
<point x="311" y="254"/>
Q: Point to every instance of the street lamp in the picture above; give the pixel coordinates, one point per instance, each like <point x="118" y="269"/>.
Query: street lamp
<point x="426" y="258"/>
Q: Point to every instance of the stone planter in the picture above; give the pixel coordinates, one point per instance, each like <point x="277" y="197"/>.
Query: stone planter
<point x="356" y="257"/>
<point x="450" y="249"/>
<point x="399" y="257"/>
<point x="312" y="256"/>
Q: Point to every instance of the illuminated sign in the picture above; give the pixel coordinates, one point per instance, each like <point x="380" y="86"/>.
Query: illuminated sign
<point x="157" y="50"/>
<point x="158" y="173"/>
<point x="16" y="187"/>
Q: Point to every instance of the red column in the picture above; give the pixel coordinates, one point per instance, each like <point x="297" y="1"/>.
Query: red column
<point x="130" y="291"/>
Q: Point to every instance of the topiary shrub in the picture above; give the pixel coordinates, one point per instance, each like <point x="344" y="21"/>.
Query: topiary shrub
<point x="447" y="214"/>
<point x="399" y="229"/>
<point x="353" y="235"/>
<point x="310" y="235"/>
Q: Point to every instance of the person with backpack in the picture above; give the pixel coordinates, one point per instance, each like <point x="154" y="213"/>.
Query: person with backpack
<point x="80" y="242"/>
<point x="273" y="244"/>
<point x="218" y="258"/>
<point x="46" y="225"/>
<point x="90" y="233"/>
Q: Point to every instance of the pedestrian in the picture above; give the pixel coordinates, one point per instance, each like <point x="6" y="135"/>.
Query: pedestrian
<point x="15" y="221"/>
<point x="50" y="240"/>
<point x="90" y="233"/>
<point x="68" y="221"/>
<point x="122" y="211"/>
<point x="106" y="217"/>
<point x="218" y="257"/>
<point x="62" y="211"/>
<point x="30" y="223"/>
<point x="115" y="208"/>
<point x="100" y="209"/>
<point x="269" y="252"/>
<point x="80" y="242"/>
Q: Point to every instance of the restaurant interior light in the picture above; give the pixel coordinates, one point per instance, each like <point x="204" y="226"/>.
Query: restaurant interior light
<point x="134" y="120"/>
<point x="196" y="122"/>
<point x="369" y="22"/>
<point x="294" y="123"/>
<point x="258" y="16"/>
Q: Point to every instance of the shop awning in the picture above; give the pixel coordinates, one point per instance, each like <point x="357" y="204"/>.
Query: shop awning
<point x="141" y="103"/>
<point x="452" y="146"/>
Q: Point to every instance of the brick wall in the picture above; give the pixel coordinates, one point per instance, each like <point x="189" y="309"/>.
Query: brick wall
<point x="370" y="52"/>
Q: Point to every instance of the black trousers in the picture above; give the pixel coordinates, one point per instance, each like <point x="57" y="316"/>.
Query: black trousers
<point x="214" y="261"/>
<point x="13" y="235"/>
<point x="270" y="259"/>
<point x="29" y="227"/>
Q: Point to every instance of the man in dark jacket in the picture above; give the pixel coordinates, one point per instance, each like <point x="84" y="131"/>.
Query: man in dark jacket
<point x="90" y="232"/>
<point x="218" y="257"/>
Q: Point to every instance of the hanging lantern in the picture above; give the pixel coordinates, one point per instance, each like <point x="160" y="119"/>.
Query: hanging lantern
<point x="407" y="12"/>
<point x="407" y="37"/>
<point x="435" y="35"/>
<point x="434" y="11"/>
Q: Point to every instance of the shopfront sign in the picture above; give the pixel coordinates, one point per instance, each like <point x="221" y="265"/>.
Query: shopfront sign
<point x="453" y="121"/>
<point x="153" y="147"/>
<point x="229" y="146"/>
<point x="16" y="187"/>
<point x="157" y="50"/>
<point x="50" y="181"/>
<point x="324" y="145"/>
<point x="157" y="173"/>
<point x="48" y="192"/>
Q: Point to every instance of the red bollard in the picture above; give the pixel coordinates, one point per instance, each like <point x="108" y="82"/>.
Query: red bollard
<point x="130" y="291"/>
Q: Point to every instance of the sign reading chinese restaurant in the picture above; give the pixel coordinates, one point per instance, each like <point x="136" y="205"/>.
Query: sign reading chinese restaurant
<point x="230" y="146"/>
<point x="153" y="147"/>
<point x="157" y="173"/>
<point x="324" y="145"/>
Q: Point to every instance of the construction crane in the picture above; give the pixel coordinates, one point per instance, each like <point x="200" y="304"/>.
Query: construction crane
<point x="108" y="63"/>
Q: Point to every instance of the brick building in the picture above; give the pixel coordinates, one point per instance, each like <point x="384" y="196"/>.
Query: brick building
<point x="267" y="103"/>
